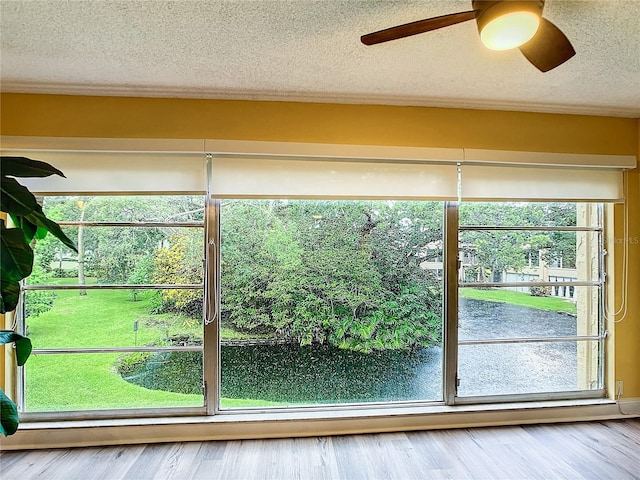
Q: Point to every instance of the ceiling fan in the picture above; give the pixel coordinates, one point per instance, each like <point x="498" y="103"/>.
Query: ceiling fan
<point x="502" y="24"/>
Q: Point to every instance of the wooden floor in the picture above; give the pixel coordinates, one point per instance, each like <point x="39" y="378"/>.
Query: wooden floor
<point x="595" y="450"/>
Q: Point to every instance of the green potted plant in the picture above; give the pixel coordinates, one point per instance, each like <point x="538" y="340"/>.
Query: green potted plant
<point x="16" y="254"/>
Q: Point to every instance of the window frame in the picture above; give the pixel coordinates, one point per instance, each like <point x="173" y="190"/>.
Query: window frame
<point x="109" y="412"/>
<point x="211" y="335"/>
<point x="601" y="337"/>
<point x="211" y="344"/>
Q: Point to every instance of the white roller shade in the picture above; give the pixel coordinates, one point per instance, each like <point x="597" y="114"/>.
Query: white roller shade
<point x="269" y="177"/>
<point x="281" y="169"/>
<point x="494" y="183"/>
<point x="530" y="176"/>
<point x="118" y="172"/>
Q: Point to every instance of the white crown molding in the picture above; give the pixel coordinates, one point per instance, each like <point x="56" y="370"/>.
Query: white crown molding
<point x="307" y="97"/>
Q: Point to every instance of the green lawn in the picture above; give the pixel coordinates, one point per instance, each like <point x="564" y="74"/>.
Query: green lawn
<point x="89" y="381"/>
<point x="65" y="382"/>
<point x="554" y="304"/>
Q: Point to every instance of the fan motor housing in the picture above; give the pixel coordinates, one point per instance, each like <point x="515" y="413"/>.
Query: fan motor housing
<point x="488" y="10"/>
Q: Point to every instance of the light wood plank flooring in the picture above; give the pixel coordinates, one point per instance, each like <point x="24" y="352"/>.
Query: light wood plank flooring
<point x="594" y="450"/>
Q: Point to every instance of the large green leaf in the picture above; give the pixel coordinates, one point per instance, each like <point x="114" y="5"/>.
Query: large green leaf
<point x="26" y="167"/>
<point x="41" y="232"/>
<point x="23" y="345"/>
<point x="16" y="257"/>
<point x="8" y="415"/>
<point x="37" y="217"/>
<point x="27" y="214"/>
<point x="28" y="228"/>
<point x="15" y="198"/>
<point x="9" y="294"/>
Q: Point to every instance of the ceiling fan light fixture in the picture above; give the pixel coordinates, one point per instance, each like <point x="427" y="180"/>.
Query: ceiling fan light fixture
<point x="509" y="30"/>
<point x="502" y="25"/>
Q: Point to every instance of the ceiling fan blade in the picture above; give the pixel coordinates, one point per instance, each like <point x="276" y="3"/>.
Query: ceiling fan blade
<point x="548" y="48"/>
<point x="414" y="28"/>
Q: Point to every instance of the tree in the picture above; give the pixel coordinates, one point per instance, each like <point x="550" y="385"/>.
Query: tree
<point x="179" y="261"/>
<point x="114" y="254"/>
<point x="21" y="205"/>
<point x="38" y="301"/>
<point x="499" y="250"/>
<point x="343" y="273"/>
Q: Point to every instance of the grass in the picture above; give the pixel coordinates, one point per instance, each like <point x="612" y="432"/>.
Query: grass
<point x="103" y="318"/>
<point x="89" y="381"/>
<point x="554" y="304"/>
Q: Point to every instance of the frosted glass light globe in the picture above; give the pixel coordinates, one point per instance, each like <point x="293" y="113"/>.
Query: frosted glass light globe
<point x="510" y="30"/>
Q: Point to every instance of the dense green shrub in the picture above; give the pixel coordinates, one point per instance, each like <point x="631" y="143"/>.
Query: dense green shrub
<point x="38" y="301"/>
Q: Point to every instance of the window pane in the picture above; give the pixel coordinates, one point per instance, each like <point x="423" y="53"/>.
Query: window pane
<point x="528" y="256"/>
<point x="527" y="368"/>
<point x="490" y="315"/>
<point x="277" y="375"/>
<point x="524" y="214"/>
<point x="330" y="301"/>
<point x="121" y="255"/>
<point x="511" y="312"/>
<point x="138" y="208"/>
<point x="67" y="382"/>
<point x="59" y="318"/>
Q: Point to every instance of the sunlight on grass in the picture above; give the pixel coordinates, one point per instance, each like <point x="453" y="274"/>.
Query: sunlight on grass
<point x="554" y="304"/>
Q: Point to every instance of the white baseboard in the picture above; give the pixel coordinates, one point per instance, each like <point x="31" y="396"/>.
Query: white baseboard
<point x="629" y="406"/>
<point x="82" y="433"/>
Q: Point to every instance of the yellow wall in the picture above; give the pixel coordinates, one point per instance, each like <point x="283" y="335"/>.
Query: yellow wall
<point x="627" y="332"/>
<point x="122" y="117"/>
<point x="118" y="117"/>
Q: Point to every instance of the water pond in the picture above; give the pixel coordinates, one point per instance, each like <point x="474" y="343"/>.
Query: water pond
<point x="292" y="375"/>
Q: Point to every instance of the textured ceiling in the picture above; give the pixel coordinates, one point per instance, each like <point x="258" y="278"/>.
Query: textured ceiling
<point x="310" y="51"/>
